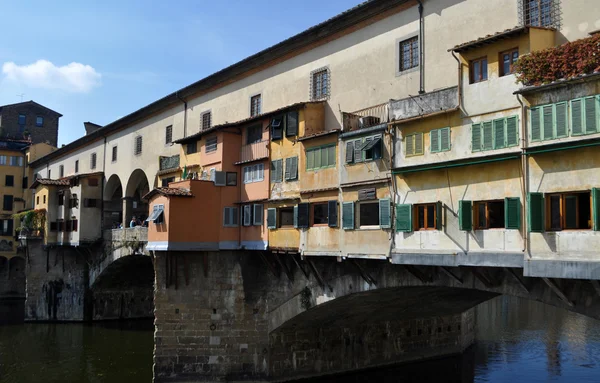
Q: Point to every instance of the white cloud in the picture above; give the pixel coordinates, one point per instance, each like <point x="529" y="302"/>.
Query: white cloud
<point x="74" y="77"/>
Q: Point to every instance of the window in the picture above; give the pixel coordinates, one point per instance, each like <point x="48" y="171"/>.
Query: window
<point x="541" y="13"/>
<point x="25" y="184"/>
<point x="138" y="146"/>
<point x="253" y="134"/>
<point x="253" y="173"/>
<point x="277" y="128"/>
<point x="277" y="171"/>
<point x="439" y="140"/>
<point x="291" y="169"/>
<point x="409" y="54"/>
<point x="6" y="227"/>
<point x="255" y="105"/>
<point x="93" y="181"/>
<point x="93" y="161"/>
<point x="211" y="144"/>
<point x="37" y="200"/>
<point x="76" y="166"/>
<point x="192" y="147"/>
<point x="286" y="217"/>
<point x="413" y="144"/>
<point x="165" y="181"/>
<point x="39" y="121"/>
<point x="320" y="213"/>
<point x="9" y="181"/>
<point x="61" y="171"/>
<point x="584" y="115"/>
<point x="49" y="172"/>
<point x="321" y="157"/>
<point x="61" y="199"/>
<point x="3" y="160"/>
<point x="44" y="198"/>
<point x="320" y="84"/>
<point x="426" y="215"/>
<point x="8" y="202"/>
<point x="478" y="70"/>
<point x="231" y="179"/>
<point x="258" y="210"/>
<point x="206" y="119"/>
<point x="507" y="60"/>
<point x="230" y="217"/>
<point x="368" y="213"/>
<point x="488" y="215"/>
<point x="114" y="154"/>
<point x="364" y="149"/>
<point x="291" y="124"/>
<point x="568" y="211"/>
<point x="497" y="134"/>
<point x="22" y="119"/>
<point x="16" y="161"/>
<point x="169" y="134"/>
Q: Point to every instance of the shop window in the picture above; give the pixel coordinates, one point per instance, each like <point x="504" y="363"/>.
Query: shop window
<point x="320" y="213"/>
<point x="368" y="213"/>
<point x="426" y="216"/>
<point x="568" y="211"/>
<point x="286" y="217"/>
<point x="489" y="215"/>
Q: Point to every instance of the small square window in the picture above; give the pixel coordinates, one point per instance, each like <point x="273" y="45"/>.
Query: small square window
<point x="426" y="216"/>
<point x="255" y="105"/>
<point x="231" y="179"/>
<point x="408" y="54"/>
<point x="568" y="211"/>
<point x="10" y="180"/>
<point x="169" y="134"/>
<point x="320" y="213"/>
<point x="368" y="213"/>
<point x="320" y="84"/>
<point x="478" y="70"/>
<point x="253" y="134"/>
<point x="39" y="121"/>
<point x="211" y="144"/>
<point x="138" y="146"/>
<point x="489" y="215"/>
<point x="206" y="120"/>
<point x="286" y="217"/>
<point x="192" y="147"/>
<point x="507" y="61"/>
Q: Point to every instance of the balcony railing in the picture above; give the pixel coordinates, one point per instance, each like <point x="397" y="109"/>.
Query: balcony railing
<point x="365" y="118"/>
<point x="255" y="151"/>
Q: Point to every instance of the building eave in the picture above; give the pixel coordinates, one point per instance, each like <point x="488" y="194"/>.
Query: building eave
<point x="558" y="84"/>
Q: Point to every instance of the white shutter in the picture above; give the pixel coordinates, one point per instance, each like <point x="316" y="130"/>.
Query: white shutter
<point x="258" y="215"/>
<point x="261" y="172"/>
<point x="247" y="215"/>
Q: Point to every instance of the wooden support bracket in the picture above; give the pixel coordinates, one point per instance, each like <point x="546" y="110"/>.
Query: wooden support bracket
<point x="284" y="267"/>
<point x="420" y="275"/>
<point x="482" y="277"/>
<point x="363" y="273"/>
<point x="554" y="287"/>
<point x="306" y="274"/>
<point x="449" y="273"/>
<point x="596" y="285"/>
<point x="516" y="277"/>
<point x="269" y="264"/>
<point x="317" y="274"/>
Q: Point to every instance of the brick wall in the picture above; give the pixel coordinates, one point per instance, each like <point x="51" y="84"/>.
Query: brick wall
<point x="46" y="133"/>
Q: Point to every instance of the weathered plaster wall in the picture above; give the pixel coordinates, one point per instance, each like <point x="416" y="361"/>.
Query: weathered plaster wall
<point x="368" y="170"/>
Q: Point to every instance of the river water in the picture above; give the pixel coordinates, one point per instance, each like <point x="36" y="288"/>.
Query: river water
<point x="516" y="341"/>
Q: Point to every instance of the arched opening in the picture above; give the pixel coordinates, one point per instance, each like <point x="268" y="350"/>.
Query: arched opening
<point x="124" y="289"/>
<point x="113" y="203"/>
<point x="137" y="187"/>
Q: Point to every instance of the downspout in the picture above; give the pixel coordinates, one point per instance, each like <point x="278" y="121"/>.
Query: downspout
<point x="421" y="46"/>
<point x="394" y="185"/>
<point x="103" y="185"/>
<point x="184" y="114"/>
<point x="460" y="80"/>
<point x="524" y="178"/>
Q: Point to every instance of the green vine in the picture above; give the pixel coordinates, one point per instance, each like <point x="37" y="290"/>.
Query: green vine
<point x="31" y="220"/>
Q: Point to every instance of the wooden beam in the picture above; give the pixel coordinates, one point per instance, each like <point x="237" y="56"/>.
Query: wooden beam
<point x="300" y="267"/>
<point x="449" y="273"/>
<point x="316" y="272"/>
<point x="554" y="287"/>
<point x="516" y="277"/>
<point x="482" y="278"/>
<point x="269" y="264"/>
<point x="423" y="277"/>
<point x="363" y="273"/>
<point x="596" y="285"/>
<point x="284" y="267"/>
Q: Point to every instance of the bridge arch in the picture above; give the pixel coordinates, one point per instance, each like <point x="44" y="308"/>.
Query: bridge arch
<point x="113" y="202"/>
<point x="137" y="187"/>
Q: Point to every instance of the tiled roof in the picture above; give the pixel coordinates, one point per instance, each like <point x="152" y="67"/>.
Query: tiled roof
<point x="169" y="192"/>
<point x="318" y="190"/>
<point x="320" y="134"/>
<point x="167" y="171"/>
<point x="505" y="34"/>
<point x="47" y="181"/>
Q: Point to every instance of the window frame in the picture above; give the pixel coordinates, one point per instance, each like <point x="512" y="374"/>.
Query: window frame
<point x="8" y="200"/>
<point x="319" y="149"/>
<point x="357" y="223"/>
<point x="93" y="160"/>
<point x="188" y="146"/>
<point x="255" y="110"/>
<point x="563" y="195"/>
<point x="258" y="137"/>
<point x="322" y="93"/>
<point x="253" y="169"/>
<point x="426" y="227"/>
<point x="476" y="221"/>
<point x="228" y="179"/>
<point x="280" y="221"/>
<point x="138" y="145"/>
<point x="312" y="214"/>
<point x="400" y="69"/>
<point x="439" y="132"/>
<point x="76" y="166"/>
<point x="209" y="146"/>
<point x="528" y="21"/>
<point x="11" y="178"/>
<point x="169" y="135"/>
<point x="234" y="215"/>
<point x="22" y="116"/>
<point x="204" y="124"/>
<point x="61" y="171"/>
<point x="510" y="52"/>
<point x="414" y="143"/>
<point x="39" y="123"/>
<point x="478" y="61"/>
<point x="114" y="154"/>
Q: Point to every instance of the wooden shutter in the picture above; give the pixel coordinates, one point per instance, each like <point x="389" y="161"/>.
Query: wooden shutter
<point x="332" y="213"/>
<point x="444" y="139"/>
<point x="535" y="124"/>
<point x="512" y="131"/>
<point x="258" y="215"/>
<point x="488" y="135"/>
<point x="277" y="171"/>
<point x="548" y="122"/>
<point x="358" y="157"/>
<point x="438" y="215"/>
<point x="404" y="218"/>
<point x="291" y="127"/>
<point x="318" y="158"/>
<point x="419" y="143"/>
<point x="348" y="215"/>
<point x="294" y="170"/>
<point x="288" y="167"/>
<point x="476" y="137"/>
<point x="576" y="117"/>
<point x="385" y="213"/>
<point x="271" y="218"/>
<point x="434" y="140"/>
<point x="310" y="159"/>
<point x="409" y="142"/>
<point x="226" y="217"/>
<point x="499" y="136"/>
<point x="536" y="212"/>
<point x="303" y="215"/>
<point x="260" y="172"/>
<point x="512" y="213"/>
<point x="296" y="216"/>
<point x="349" y="152"/>
<point x="561" y="125"/>
<point x="596" y="208"/>
<point x="591" y="118"/>
<point x="331" y="156"/>
<point x="247" y="215"/>
<point x="465" y="215"/>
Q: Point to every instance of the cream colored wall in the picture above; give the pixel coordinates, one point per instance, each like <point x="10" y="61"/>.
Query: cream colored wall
<point x="90" y="218"/>
<point x="368" y="170"/>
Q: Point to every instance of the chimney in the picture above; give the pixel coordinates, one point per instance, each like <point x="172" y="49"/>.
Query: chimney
<point x="90" y="127"/>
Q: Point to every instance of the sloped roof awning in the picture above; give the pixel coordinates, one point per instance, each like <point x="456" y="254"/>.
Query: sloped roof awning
<point x="370" y="144"/>
<point x="157" y="212"/>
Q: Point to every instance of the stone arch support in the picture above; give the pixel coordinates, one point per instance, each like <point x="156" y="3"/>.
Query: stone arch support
<point x="133" y="204"/>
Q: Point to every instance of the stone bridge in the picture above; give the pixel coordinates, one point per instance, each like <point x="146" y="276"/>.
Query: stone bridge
<point x="12" y="289"/>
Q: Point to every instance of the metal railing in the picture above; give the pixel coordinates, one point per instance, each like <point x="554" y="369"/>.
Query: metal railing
<point x="367" y="117"/>
<point x="255" y="151"/>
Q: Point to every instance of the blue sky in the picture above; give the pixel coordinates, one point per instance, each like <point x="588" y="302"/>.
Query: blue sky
<point x="103" y="60"/>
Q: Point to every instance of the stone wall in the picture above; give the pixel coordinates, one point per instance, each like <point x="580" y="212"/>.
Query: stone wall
<point x="46" y="133"/>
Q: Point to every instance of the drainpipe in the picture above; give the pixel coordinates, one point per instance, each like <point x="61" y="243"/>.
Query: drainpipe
<point x="184" y="114"/>
<point x="103" y="186"/>
<point x="460" y="79"/>
<point x="523" y="176"/>
<point x="421" y="46"/>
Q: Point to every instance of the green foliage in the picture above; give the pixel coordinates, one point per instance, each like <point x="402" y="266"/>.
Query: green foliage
<point x="566" y="61"/>
<point x="31" y="219"/>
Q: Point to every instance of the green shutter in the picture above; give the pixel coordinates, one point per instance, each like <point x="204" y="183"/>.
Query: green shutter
<point x="385" y="213"/>
<point x="310" y="159"/>
<point x="434" y="140"/>
<point x="332" y="213"/>
<point x="444" y="139"/>
<point x="288" y="167"/>
<point x="318" y="158"/>
<point x="404" y="218"/>
<point x="535" y="124"/>
<point x="576" y="117"/>
<point x="348" y="215"/>
<point x="561" y="128"/>
<point x="358" y="153"/>
<point x="591" y="122"/>
<point x="465" y="215"/>
<point x="535" y="202"/>
<point x="271" y="218"/>
<point x="349" y="152"/>
<point x="331" y="156"/>
<point x="512" y="213"/>
<point x="548" y="122"/>
<point x="438" y="215"/>
<point x="296" y="216"/>
<point x="409" y="143"/>
<point x="419" y="143"/>
<point x="476" y="137"/>
<point x="512" y="131"/>
<point x="488" y="135"/>
<point x="596" y="208"/>
<point x="499" y="136"/>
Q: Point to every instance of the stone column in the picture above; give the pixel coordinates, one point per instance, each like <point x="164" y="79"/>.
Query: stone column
<point x="127" y="210"/>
